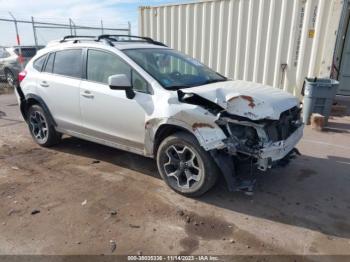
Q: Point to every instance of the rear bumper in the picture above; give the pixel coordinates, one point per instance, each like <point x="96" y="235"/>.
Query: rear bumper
<point x="278" y="150"/>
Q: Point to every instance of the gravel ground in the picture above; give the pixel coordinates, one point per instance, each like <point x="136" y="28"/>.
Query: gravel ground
<point x="84" y="198"/>
<point x="4" y="87"/>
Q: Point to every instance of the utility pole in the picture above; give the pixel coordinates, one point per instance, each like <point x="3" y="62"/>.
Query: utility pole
<point x="70" y="26"/>
<point x="102" y="26"/>
<point x="34" y="33"/>
<point x="74" y="28"/>
<point x="18" y="41"/>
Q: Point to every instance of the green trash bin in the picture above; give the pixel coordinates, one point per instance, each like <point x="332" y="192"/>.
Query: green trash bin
<point x="318" y="97"/>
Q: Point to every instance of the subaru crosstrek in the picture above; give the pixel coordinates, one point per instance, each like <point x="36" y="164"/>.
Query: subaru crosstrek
<point x="138" y="95"/>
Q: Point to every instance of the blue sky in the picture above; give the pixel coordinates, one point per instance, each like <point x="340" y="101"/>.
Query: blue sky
<point x="114" y="13"/>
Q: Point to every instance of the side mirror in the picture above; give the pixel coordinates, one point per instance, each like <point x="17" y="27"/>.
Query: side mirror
<point x="121" y="82"/>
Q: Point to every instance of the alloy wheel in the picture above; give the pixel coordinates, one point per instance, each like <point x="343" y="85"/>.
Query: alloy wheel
<point x="10" y="79"/>
<point x="182" y="166"/>
<point x="38" y="126"/>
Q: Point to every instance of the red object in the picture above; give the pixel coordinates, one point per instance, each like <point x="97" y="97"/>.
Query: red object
<point x="18" y="40"/>
<point x="22" y="75"/>
<point x="20" y="59"/>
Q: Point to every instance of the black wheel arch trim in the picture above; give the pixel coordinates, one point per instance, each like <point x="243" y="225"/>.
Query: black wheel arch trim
<point x="26" y="102"/>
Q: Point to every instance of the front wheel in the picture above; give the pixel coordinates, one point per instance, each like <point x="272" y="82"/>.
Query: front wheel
<point x="40" y="127"/>
<point x="185" y="166"/>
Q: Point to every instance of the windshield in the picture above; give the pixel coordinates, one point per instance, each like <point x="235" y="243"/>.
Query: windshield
<point x="173" y="70"/>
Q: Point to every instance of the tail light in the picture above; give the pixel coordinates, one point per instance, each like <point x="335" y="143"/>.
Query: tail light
<point x="21" y="76"/>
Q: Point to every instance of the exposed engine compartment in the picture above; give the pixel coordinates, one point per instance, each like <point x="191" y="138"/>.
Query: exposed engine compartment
<point x="281" y="129"/>
<point x="249" y="137"/>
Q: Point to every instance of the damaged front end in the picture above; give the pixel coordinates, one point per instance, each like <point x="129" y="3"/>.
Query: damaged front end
<point x="262" y="144"/>
<point x="260" y="132"/>
<point x="267" y="141"/>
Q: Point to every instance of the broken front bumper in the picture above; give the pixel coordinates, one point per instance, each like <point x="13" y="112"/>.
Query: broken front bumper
<point x="278" y="150"/>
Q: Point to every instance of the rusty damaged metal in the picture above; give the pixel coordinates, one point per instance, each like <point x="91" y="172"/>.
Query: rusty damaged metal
<point x="244" y="97"/>
<point x="249" y="99"/>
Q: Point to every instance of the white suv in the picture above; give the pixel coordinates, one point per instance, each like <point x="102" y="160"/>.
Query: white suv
<point x="138" y="95"/>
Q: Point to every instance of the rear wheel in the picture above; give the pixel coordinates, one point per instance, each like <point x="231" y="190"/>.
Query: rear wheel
<point x="40" y="127"/>
<point x="185" y="166"/>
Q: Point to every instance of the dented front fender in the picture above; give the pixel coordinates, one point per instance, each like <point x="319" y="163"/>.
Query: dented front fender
<point x="196" y="121"/>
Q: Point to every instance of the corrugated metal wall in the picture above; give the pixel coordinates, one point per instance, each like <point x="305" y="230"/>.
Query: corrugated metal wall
<point x="275" y="42"/>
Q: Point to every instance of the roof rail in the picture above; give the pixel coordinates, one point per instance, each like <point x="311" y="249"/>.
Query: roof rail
<point x="129" y="38"/>
<point x="110" y="38"/>
<point x="76" y="37"/>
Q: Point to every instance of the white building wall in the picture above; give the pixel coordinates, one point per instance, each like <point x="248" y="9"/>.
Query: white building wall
<point x="275" y="42"/>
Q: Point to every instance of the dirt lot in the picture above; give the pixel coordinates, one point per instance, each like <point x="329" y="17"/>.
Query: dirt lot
<point x="89" y="194"/>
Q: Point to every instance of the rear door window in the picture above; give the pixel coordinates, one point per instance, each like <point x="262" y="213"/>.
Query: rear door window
<point x="38" y="63"/>
<point x="68" y="63"/>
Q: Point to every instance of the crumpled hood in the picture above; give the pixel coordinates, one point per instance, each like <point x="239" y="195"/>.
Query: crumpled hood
<point x="247" y="99"/>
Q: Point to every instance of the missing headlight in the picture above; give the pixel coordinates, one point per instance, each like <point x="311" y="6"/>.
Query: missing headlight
<point x="247" y="135"/>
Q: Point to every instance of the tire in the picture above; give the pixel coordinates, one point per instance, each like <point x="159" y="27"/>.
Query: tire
<point x="10" y="78"/>
<point x="185" y="166"/>
<point x="40" y="127"/>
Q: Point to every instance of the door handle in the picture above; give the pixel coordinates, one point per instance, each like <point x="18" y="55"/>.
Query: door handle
<point x="87" y="94"/>
<point x="44" y="84"/>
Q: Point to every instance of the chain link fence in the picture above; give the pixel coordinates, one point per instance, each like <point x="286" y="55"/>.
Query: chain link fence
<point x="37" y="33"/>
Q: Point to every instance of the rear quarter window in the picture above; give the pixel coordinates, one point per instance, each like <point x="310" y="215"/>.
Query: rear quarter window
<point x="39" y="62"/>
<point x="68" y="63"/>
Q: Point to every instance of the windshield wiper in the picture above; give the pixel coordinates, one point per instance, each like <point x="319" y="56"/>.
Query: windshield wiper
<point x="177" y="87"/>
<point x="215" y="81"/>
